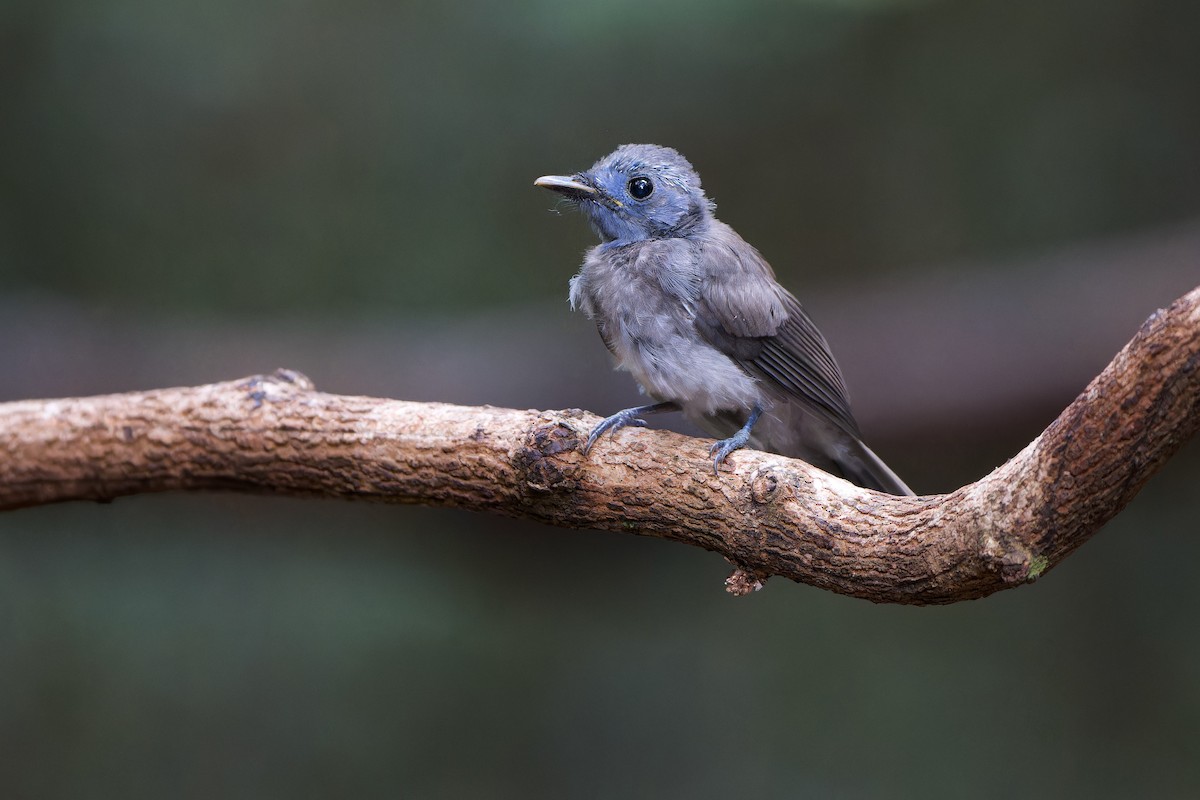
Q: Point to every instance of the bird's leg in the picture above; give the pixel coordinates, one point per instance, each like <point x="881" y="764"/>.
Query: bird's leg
<point x="628" y="418"/>
<point x="726" y="446"/>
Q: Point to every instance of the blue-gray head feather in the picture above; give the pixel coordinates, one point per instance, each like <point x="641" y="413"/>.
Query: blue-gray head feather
<point x="638" y="192"/>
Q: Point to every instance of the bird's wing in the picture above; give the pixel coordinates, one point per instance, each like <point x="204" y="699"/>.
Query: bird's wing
<point x="747" y="315"/>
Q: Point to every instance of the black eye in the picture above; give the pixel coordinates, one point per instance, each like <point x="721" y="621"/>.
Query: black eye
<point x="640" y="188"/>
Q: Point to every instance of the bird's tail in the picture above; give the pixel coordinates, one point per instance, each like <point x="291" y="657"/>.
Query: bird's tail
<point x="859" y="464"/>
<point x="789" y="429"/>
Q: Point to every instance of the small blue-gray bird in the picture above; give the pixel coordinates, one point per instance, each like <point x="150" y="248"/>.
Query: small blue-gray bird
<point x="695" y="314"/>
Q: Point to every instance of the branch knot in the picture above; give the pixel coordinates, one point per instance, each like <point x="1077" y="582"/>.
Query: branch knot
<point x="539" y="464"/>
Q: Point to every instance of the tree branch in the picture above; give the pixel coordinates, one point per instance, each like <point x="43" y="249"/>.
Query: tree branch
<point x="767" y="514"/>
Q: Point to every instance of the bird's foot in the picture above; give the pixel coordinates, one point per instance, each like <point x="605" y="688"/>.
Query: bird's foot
<point x="720" y="450"/>
<point x="629" y="418"/>
<point x="622" y="419"/>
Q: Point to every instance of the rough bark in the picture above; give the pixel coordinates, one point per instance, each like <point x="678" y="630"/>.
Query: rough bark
<point x="767" y="514"/>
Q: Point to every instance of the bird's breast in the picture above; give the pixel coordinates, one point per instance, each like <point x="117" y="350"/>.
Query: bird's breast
<point x="649" y="325"/>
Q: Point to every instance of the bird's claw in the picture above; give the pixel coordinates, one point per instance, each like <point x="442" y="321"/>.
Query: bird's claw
<point x="613" y="424"/>
<point x="721" y="450"/>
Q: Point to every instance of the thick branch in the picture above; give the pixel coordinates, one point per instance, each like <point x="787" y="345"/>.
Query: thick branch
<point x="767" y="514"/>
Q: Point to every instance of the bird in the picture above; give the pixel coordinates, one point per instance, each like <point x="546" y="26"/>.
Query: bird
<point x="694" y="313"/>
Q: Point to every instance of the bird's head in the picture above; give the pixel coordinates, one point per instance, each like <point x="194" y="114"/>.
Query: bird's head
<point x="637" y="192"/>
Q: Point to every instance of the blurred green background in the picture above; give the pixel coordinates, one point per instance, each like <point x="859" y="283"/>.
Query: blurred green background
<point x="978" y="201"/>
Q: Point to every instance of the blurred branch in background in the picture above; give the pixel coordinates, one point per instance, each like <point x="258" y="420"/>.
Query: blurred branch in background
<point x="768" y="515"/>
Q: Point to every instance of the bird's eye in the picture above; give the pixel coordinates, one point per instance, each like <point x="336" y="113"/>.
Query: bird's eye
<point x="640" y="188"/>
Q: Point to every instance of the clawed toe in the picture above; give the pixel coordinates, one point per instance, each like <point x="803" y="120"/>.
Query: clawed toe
<point x="592" y="437"/>
<point x="612" y="424"/>
<point x="629" y="418"/>
<point x="721" y="450"/>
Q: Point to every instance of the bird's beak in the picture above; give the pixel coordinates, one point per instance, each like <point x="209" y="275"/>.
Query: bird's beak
<point x="568" y="185"/>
